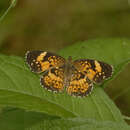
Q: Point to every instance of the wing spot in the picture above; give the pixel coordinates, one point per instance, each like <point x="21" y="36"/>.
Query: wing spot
<point x="32" y="64"/>
<point x="38" y="65"/>
<point x="100" y="74"/>
<point x="98" y="67"/>
<point x="103" y="77"/>
<point x="42" y="55"/>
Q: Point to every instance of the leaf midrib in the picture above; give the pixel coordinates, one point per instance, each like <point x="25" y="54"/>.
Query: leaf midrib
<point x="44" y="100"/>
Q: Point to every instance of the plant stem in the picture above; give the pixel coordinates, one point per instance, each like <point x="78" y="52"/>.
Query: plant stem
<point x="13" y="3"/>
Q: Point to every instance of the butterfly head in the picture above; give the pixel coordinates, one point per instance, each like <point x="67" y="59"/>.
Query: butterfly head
<point x="69" y="59"/>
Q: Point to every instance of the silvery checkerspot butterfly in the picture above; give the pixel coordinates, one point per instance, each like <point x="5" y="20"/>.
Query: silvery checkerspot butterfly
<point x="77" y="77"/>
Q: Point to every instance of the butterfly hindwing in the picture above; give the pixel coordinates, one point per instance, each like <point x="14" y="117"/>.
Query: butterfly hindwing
<point x="79" y="84"/>
<point x="53" y="79"/>
<point x="96" y="71"/>
<point x="40" y="61"/>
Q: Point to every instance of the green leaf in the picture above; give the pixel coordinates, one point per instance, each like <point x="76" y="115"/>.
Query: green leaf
<point x="21" y="88"/>
<point x="78" y="124"/>
<point x="17" y="119"/>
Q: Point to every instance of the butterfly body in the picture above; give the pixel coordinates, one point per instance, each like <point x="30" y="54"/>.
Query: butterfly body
<point x="68" y="71"/>
<point x="76" y="77"/>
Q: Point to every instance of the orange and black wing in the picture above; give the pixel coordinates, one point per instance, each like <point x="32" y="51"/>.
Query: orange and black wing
<point x="79" y="85"/>
<point x="53" y="79"/>
<point x="96" y="71"/>
<point x="40" y="61"/>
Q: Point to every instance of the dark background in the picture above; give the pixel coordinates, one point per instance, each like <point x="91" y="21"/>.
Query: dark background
<point x="51" y="25"/>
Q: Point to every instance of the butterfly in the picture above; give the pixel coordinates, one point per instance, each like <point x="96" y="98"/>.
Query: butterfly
<point x="76" y="77"/>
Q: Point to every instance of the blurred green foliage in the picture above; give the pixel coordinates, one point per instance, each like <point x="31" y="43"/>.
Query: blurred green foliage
<point x="51" y="25"/>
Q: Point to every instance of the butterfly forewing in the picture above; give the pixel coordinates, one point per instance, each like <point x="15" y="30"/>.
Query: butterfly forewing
<point x="40" y="61"/>
<point x="96" y="71"/>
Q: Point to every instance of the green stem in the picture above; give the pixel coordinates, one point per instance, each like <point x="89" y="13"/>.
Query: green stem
<point x="126" y="117"/>
<point x="13" y="3"/>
